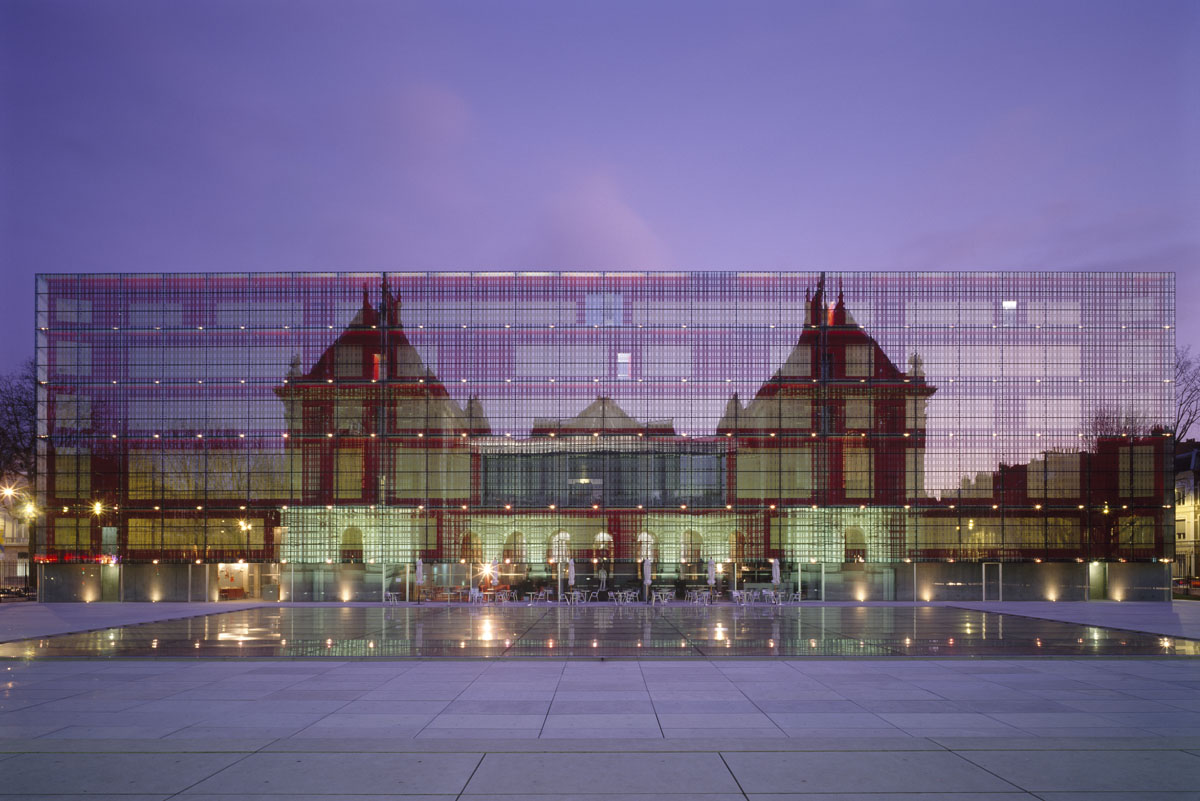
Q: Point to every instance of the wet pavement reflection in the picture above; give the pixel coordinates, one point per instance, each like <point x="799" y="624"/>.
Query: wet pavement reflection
<point x="603" y="631"/>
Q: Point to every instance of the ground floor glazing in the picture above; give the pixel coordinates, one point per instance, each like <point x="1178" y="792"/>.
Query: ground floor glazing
<point x="799" y="581"/>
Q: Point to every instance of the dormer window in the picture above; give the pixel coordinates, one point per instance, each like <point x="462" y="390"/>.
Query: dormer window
<point x="859" y="361"/>
<point x="347" y="362"/>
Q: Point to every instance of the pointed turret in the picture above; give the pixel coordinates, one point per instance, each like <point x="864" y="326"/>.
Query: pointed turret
<point x="477" y="422"/>
<point x="732" y="416"/>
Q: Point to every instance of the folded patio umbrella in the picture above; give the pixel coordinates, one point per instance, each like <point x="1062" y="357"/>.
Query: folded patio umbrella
<point x="712" y="572"/>
<point x="571" y="572"/>
<point x="646" y="571"/>
<point x="774" y="571"/>
<point x="420" y="572"/>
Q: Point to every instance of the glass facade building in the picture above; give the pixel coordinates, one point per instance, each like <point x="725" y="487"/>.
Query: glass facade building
<point x="882" y="436"/>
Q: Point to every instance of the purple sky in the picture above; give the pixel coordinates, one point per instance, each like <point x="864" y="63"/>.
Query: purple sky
<point x="349" y="134"/>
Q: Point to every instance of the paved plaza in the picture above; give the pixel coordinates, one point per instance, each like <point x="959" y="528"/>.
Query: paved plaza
<point x="829" y="727"/>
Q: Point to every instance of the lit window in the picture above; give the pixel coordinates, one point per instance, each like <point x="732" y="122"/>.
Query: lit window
<point x="623" y="365"/>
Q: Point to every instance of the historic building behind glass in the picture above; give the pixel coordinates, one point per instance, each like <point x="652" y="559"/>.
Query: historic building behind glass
<point x="310" y="436"/>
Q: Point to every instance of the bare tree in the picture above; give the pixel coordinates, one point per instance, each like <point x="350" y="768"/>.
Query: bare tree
<point x="1187" y="391"/>
<point x="18" y="420"/>
<point x="1110" y="421"/>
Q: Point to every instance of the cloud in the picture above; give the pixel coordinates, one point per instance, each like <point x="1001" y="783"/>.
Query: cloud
<point x="590" y="225"/>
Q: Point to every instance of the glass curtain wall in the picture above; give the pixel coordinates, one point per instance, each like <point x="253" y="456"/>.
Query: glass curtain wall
<point x="312" y="435"/>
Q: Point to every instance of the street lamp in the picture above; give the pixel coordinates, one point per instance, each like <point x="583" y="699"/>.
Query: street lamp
<point x="20" y="506"/>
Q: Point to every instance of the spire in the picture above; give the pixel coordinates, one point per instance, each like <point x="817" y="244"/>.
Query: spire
<point x="477" y="422"/>
<point x="733" y="413"/>
<point x="816" y="306"/>
<point x="389" y="307"/>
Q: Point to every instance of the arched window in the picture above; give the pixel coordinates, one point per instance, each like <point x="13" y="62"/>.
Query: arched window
<point x="352" y="544"/>
<point x="514" y="548"/>
<point x="647" y="547"/>
<point x="737" y="546"/>
<point x="692" y="547"/>
<point x="560" y="547"/>
<point x="856" y="544"/>
<point x="602" y="544"/>
<point x="471" y="547"/>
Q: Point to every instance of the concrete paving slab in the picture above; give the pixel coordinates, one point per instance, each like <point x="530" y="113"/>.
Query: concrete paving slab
<point x="608" y="796"/>
<point x="346" y="774"/>
<point x="1096" y="771"/>
<point x="561" y="774"/>
<point x="864" y="772"/>
<point x="117" y="772"/>
<point x="1139" y="795"/>
<point x="1015" y="796"/>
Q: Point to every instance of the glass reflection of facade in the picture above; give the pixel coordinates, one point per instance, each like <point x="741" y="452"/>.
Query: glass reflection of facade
<point x="884" y="435"/>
